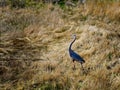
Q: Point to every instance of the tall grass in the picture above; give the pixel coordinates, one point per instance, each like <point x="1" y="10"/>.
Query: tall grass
<point x="34" y="48"/>
<point x="105" y="9"/>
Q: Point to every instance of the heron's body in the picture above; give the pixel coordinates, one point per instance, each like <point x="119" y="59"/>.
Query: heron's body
<point x="74" y="55"/>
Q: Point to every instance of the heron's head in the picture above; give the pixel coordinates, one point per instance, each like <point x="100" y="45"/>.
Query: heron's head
<point x="74" y="36"/>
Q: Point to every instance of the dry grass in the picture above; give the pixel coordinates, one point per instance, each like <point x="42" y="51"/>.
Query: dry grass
<point x="104" y="9"/>
<point x="34" y="49"/>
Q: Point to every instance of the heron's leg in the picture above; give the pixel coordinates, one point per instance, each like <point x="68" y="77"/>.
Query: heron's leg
<point x="82" y="66"/>
<point x="84" y="72"/>
<point x="73" y="64"/>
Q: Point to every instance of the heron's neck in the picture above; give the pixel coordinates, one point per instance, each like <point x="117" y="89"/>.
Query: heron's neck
<point x="72" y="43"/>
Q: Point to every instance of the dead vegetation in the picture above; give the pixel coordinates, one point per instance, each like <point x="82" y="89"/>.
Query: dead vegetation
<point x="34" y="49"/>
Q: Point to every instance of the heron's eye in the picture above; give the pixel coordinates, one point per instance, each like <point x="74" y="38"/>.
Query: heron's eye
<point x="74" y="35"/>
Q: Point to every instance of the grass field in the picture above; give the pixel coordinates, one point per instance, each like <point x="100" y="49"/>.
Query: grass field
<point x="34" y="47"/>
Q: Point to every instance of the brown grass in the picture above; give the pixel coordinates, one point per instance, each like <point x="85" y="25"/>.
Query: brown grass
<point x="34" y="49"/>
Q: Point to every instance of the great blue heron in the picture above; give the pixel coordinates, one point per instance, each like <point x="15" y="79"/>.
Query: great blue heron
<point x="74" y="55"/>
